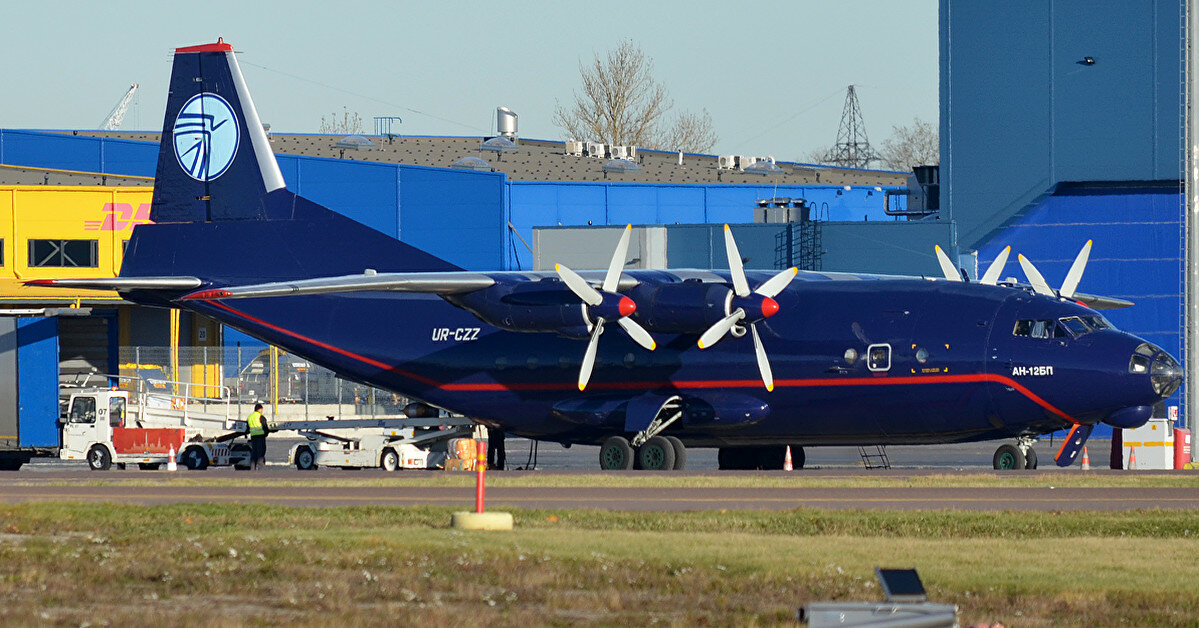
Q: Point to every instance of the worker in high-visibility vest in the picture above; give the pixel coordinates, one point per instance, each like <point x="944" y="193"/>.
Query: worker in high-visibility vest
<point x="256" y="426"/>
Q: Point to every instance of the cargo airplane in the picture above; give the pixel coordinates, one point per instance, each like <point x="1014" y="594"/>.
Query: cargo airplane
<point x="643" y="363"/>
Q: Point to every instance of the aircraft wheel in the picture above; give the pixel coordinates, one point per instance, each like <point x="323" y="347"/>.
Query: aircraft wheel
<point x="1008" y="457"/>
<point x="305" y="459"/>
<point x="390" y="460"/>
<point x="771" y="458"/>
<point x="657" y="454"/>
<point x="680" y="452"/>
<point x="616" y="454"/>
<point x="98" y="458"/>
<point x="1030" y="459"/>
<point x="733" y="458"/>
<point x="195" y="459"/>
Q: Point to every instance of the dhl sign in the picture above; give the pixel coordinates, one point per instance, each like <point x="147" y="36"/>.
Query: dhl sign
<point x="120" y="217"/>
<point x="32" y="213"/>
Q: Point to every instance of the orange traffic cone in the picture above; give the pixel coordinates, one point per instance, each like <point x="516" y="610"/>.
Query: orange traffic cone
<point x="787" y="465"/>
<point x="1132" y="457"/>
<point x="171" y="465"/>
<point x="1086" y="460"/>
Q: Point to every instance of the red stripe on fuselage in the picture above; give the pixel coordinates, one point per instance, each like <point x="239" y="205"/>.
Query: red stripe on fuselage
<point x="684" y="385"/>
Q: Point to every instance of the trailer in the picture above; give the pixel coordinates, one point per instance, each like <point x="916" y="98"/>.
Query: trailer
<point x="28" y="385"/>
<point x="388" y="443"/>
<point x="115" y="426"/>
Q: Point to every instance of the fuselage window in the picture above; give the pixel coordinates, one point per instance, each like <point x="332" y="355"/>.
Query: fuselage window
<point x="878" y="357"/>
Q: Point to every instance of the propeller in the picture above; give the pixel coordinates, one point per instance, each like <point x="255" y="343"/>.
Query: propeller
<point x="605" y="305"/>
<point x="746" y="306"/>
<point x="989" y="278"/>
<point x="1073" y="277"/>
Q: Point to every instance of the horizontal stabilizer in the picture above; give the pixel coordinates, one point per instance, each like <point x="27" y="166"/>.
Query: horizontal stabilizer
<point x="1096" y="302"/>
<point x="120" y="284"/>
<point x="434" y="283"/>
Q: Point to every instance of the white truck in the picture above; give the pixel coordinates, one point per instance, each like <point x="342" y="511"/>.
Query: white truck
<point x="386" y="443"/>
<point x="111" y="426"/>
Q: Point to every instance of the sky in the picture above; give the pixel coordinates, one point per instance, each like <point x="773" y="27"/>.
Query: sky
<point x="772" y="74"/>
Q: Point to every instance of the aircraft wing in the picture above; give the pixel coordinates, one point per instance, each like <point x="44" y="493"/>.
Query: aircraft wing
<point x="433" y="283"/>
<point x="121" y="284"/>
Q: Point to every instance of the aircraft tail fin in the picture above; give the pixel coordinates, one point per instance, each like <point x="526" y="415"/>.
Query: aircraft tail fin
<point x="221" y="210"/>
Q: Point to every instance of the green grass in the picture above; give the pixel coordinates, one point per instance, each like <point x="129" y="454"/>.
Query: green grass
<point x="214" y="565"/>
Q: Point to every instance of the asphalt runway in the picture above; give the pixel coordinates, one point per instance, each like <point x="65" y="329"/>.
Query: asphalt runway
<point x="82" y="486"/>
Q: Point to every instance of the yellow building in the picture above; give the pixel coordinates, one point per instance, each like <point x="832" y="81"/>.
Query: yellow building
<point x="49" y="231"/>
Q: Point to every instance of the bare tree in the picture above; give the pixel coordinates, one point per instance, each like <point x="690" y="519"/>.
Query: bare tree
<point x="690" y="133"/>
<point x="350" y="123"/>
<point x="622" y="104"/>
<point x="915" y="145"/>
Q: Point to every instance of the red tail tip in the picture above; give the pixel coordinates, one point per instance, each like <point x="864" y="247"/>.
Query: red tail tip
<point x="627" y="306"/>
<point x="205" y="295"/>
<point x="770" y="307"/>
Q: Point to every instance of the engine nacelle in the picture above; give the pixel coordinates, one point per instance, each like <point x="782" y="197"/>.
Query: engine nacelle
<point x="680" y="308"/>
<point x="542" y="306"/>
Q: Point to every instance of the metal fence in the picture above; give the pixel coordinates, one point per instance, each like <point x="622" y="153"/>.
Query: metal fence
<point x="290" y="386"/>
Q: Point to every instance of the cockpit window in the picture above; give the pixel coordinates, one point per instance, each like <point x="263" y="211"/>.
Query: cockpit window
<point x="1034" y="328"/>
<point x="1075" y="325"/>
<point x="1098" y="322"/>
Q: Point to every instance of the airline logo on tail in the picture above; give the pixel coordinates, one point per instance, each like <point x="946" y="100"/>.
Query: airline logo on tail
<point x="206" y="136"/>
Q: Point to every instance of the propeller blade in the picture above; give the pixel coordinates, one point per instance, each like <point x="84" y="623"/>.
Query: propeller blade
<point x="1075" y="274"/>
<point x="763" y="363"/>
<point x="578" y="285"/>
<point x="637" y="333"/>
<point x="991" y="277"/>
<point x="1073" y="444"/>
<point x="947" y="267"/>
<point x="612" y="279"/>
<point x="722" y="327"/>
<point x="589" y="356"/>
<point x="775" y="284"/>
<point x="736" y="269"/>
<point x="1034" y="277"/>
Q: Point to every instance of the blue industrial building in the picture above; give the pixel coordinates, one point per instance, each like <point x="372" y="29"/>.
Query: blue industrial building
<point x="1062" y="121"/>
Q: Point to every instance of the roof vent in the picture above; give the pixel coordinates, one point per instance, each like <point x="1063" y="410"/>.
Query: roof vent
<point x="505" y="122"/>
<point x="355" y="142"/>
<point x="621" y="166"/>
<point x="472" y="163"/>
<point x="499" y="145"/>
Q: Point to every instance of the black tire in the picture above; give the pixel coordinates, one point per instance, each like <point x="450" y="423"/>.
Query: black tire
<point x="390" y="460"/>
<point x="1008" y="457"/>
<point x="769" y="458"/>
<point x="243" y="453"/>
<point x="657" y="454"/>
<point x="680" y="453"/>
<point x="1030" y="459"/>
<point x="305" y="459"/>
<point x="616" y="454"/>
<point x="98" y="458"/>
<point x="148" y="466"/>
<point x="195" y="459"/>
<point x="731" y="459"/>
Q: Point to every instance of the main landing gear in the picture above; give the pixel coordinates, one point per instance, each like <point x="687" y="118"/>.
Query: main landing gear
<point x="1018" y="456"/>
<point x="657" y="453"/>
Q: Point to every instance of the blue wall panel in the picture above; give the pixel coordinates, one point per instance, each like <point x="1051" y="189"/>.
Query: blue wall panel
<point x="37" y="381"/>
<point x="1020" y="114"/>
<point x="458" y="215"/>
<point x="68" y="152"/>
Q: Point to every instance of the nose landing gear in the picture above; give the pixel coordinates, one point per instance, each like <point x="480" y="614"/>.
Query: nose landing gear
<point x="1018" y="456"/>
